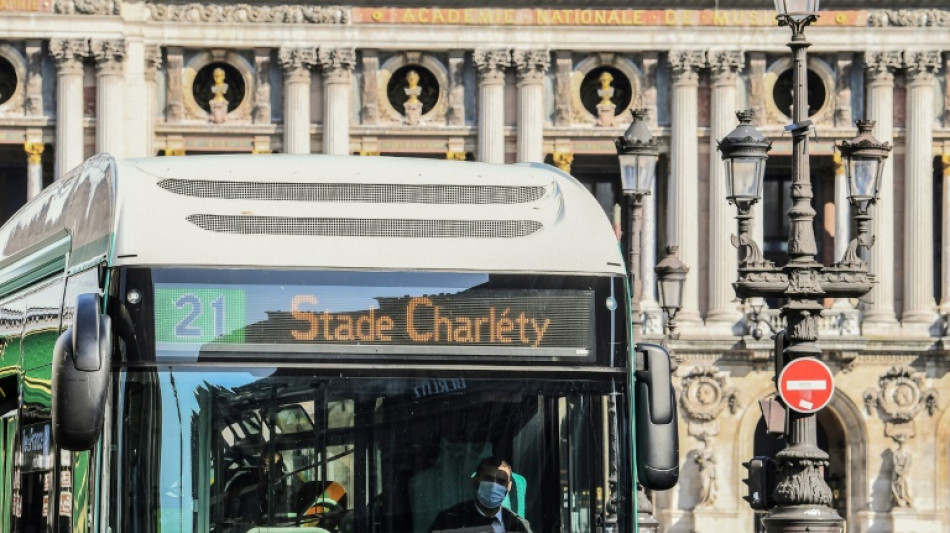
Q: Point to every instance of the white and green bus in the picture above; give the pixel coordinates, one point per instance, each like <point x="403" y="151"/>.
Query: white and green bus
<point x="262" y="344"/>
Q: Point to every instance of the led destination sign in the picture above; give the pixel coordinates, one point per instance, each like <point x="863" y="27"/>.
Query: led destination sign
<point x="515" y="321"/>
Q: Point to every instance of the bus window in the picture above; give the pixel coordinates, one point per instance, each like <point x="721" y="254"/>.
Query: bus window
<point x="292" y="448"/>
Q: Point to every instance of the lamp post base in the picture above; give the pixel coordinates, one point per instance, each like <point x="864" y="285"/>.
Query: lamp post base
<point x="802" y="519"/>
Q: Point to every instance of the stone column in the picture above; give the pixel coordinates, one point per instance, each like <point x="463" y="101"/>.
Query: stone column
<point x="110" y="81"/>
<point x="682" y="219"/>
<point x="879" y="313"/>
<point x="918" y="190"/>
<point x="723" y="257"/>
<point x="491" y="65"/>
<point x="34" y="168"/>
<point x="531" y="66"/>
<point x="945" y="238"/>
<point x="337" y="65"/>
<point x="153" y="62"/>
<point x="296" y="64"/>
<point x="69" y="55"/>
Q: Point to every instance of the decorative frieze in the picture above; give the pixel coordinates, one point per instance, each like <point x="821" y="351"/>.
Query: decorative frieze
<point x="245" y="13"/>
<point x="909" y="18"/>
<point x="88" y="7"/>
<point x="109" y="55"/>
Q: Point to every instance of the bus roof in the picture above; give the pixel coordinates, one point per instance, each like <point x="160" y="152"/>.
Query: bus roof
<point x="324" y="212"/>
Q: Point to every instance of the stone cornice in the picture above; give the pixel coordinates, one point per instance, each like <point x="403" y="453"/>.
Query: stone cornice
<point x="531" y="64"/>
<point x="246" y="13"/>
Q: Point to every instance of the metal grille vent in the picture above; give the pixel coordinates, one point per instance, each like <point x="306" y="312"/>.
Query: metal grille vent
<point x="365" y="227"/>
<point x="355" y="192"/>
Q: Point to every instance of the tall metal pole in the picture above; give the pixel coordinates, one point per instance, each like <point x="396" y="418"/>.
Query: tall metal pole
<point x="803" y="498"/>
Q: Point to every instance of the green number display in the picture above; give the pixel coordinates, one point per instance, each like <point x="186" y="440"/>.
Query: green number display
<point x="199" y="315"/>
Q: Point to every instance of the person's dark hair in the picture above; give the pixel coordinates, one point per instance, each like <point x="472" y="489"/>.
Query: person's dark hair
<point x="493" y="462"/>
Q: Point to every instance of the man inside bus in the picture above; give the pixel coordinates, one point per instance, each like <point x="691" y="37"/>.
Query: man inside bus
<point x="484" y="513"/>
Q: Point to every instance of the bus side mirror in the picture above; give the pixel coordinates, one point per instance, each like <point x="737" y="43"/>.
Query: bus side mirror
<point x="656" y="424"/>
<point x="82" y="360"/>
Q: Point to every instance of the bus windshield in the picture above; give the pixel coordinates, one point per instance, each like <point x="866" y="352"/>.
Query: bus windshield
<point x="254" y="449"/>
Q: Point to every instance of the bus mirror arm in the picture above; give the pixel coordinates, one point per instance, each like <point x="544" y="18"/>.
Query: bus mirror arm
<point x="82" y="359"/>
<point x="657" y="431"/>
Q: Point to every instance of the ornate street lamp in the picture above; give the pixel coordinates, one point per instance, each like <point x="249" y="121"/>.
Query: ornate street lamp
<point x="744" y="152"/>
<point x="802" y="499"/>
<point x="670" y="278"/>
<point x="864" y="165"/>
<point x="637" y="151"/>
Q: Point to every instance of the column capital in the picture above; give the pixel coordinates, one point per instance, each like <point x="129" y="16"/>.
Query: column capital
<point x="109" y="55"/>
<point x="454" y="155"/>
<point x="337" y="63"/>
<point x="881" y="65"/>
<point x="153" y="61"/>
<point x="921" y="66"/>
<point x="34" y="152"/>
<point x="531" y="64"/>
<point x="685" y="65"/>
<point x="69" y="54"/>
<point x="491" y="64"/>
<point x="297" y="62"/>
<point x="724" y="65"/>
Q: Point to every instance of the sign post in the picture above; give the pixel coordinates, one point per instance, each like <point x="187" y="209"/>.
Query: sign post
<point x="806" y="385"/>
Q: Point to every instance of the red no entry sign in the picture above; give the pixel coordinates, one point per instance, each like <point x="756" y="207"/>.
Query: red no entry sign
<point x="806" y="385"/>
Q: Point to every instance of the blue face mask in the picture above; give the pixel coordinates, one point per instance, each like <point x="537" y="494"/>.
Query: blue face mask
<point x="491" y="494"/>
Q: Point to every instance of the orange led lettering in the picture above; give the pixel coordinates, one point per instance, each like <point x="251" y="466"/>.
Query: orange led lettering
<point x="411" y="320"/>
<point x="382" y="326"/>
<point x="304" y="335"/>
<point x="505" y="325"/>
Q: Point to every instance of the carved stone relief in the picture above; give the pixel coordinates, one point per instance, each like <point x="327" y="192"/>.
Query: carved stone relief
<point x="564" y="65"/>
<point x="455" y="113"/>
<point x="175" y="106"/>
<point x="842" y="116"/>
<point x="705" y="395"/>
<point x="109" y="55"/>
<point x="900" y="396"/>
<point x="909" y="18"/>
<point x="825" y="114"/>
<point x="388" y="113"/>
<point x="33" y="104"/>
<point x="261" y="110"/>
<point x="757" y="96"/>
<point x="88" y="7"/>
<point x="648" y="91"/>
<point x="579" y="113"/>
<point x="369" y="112"/>
<point x="244" y="13"/>
<point x="13" y="106"/>
<point x="193" y="111"/>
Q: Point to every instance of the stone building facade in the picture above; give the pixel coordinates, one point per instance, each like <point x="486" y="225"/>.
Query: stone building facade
<point x="515" y="81"/>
